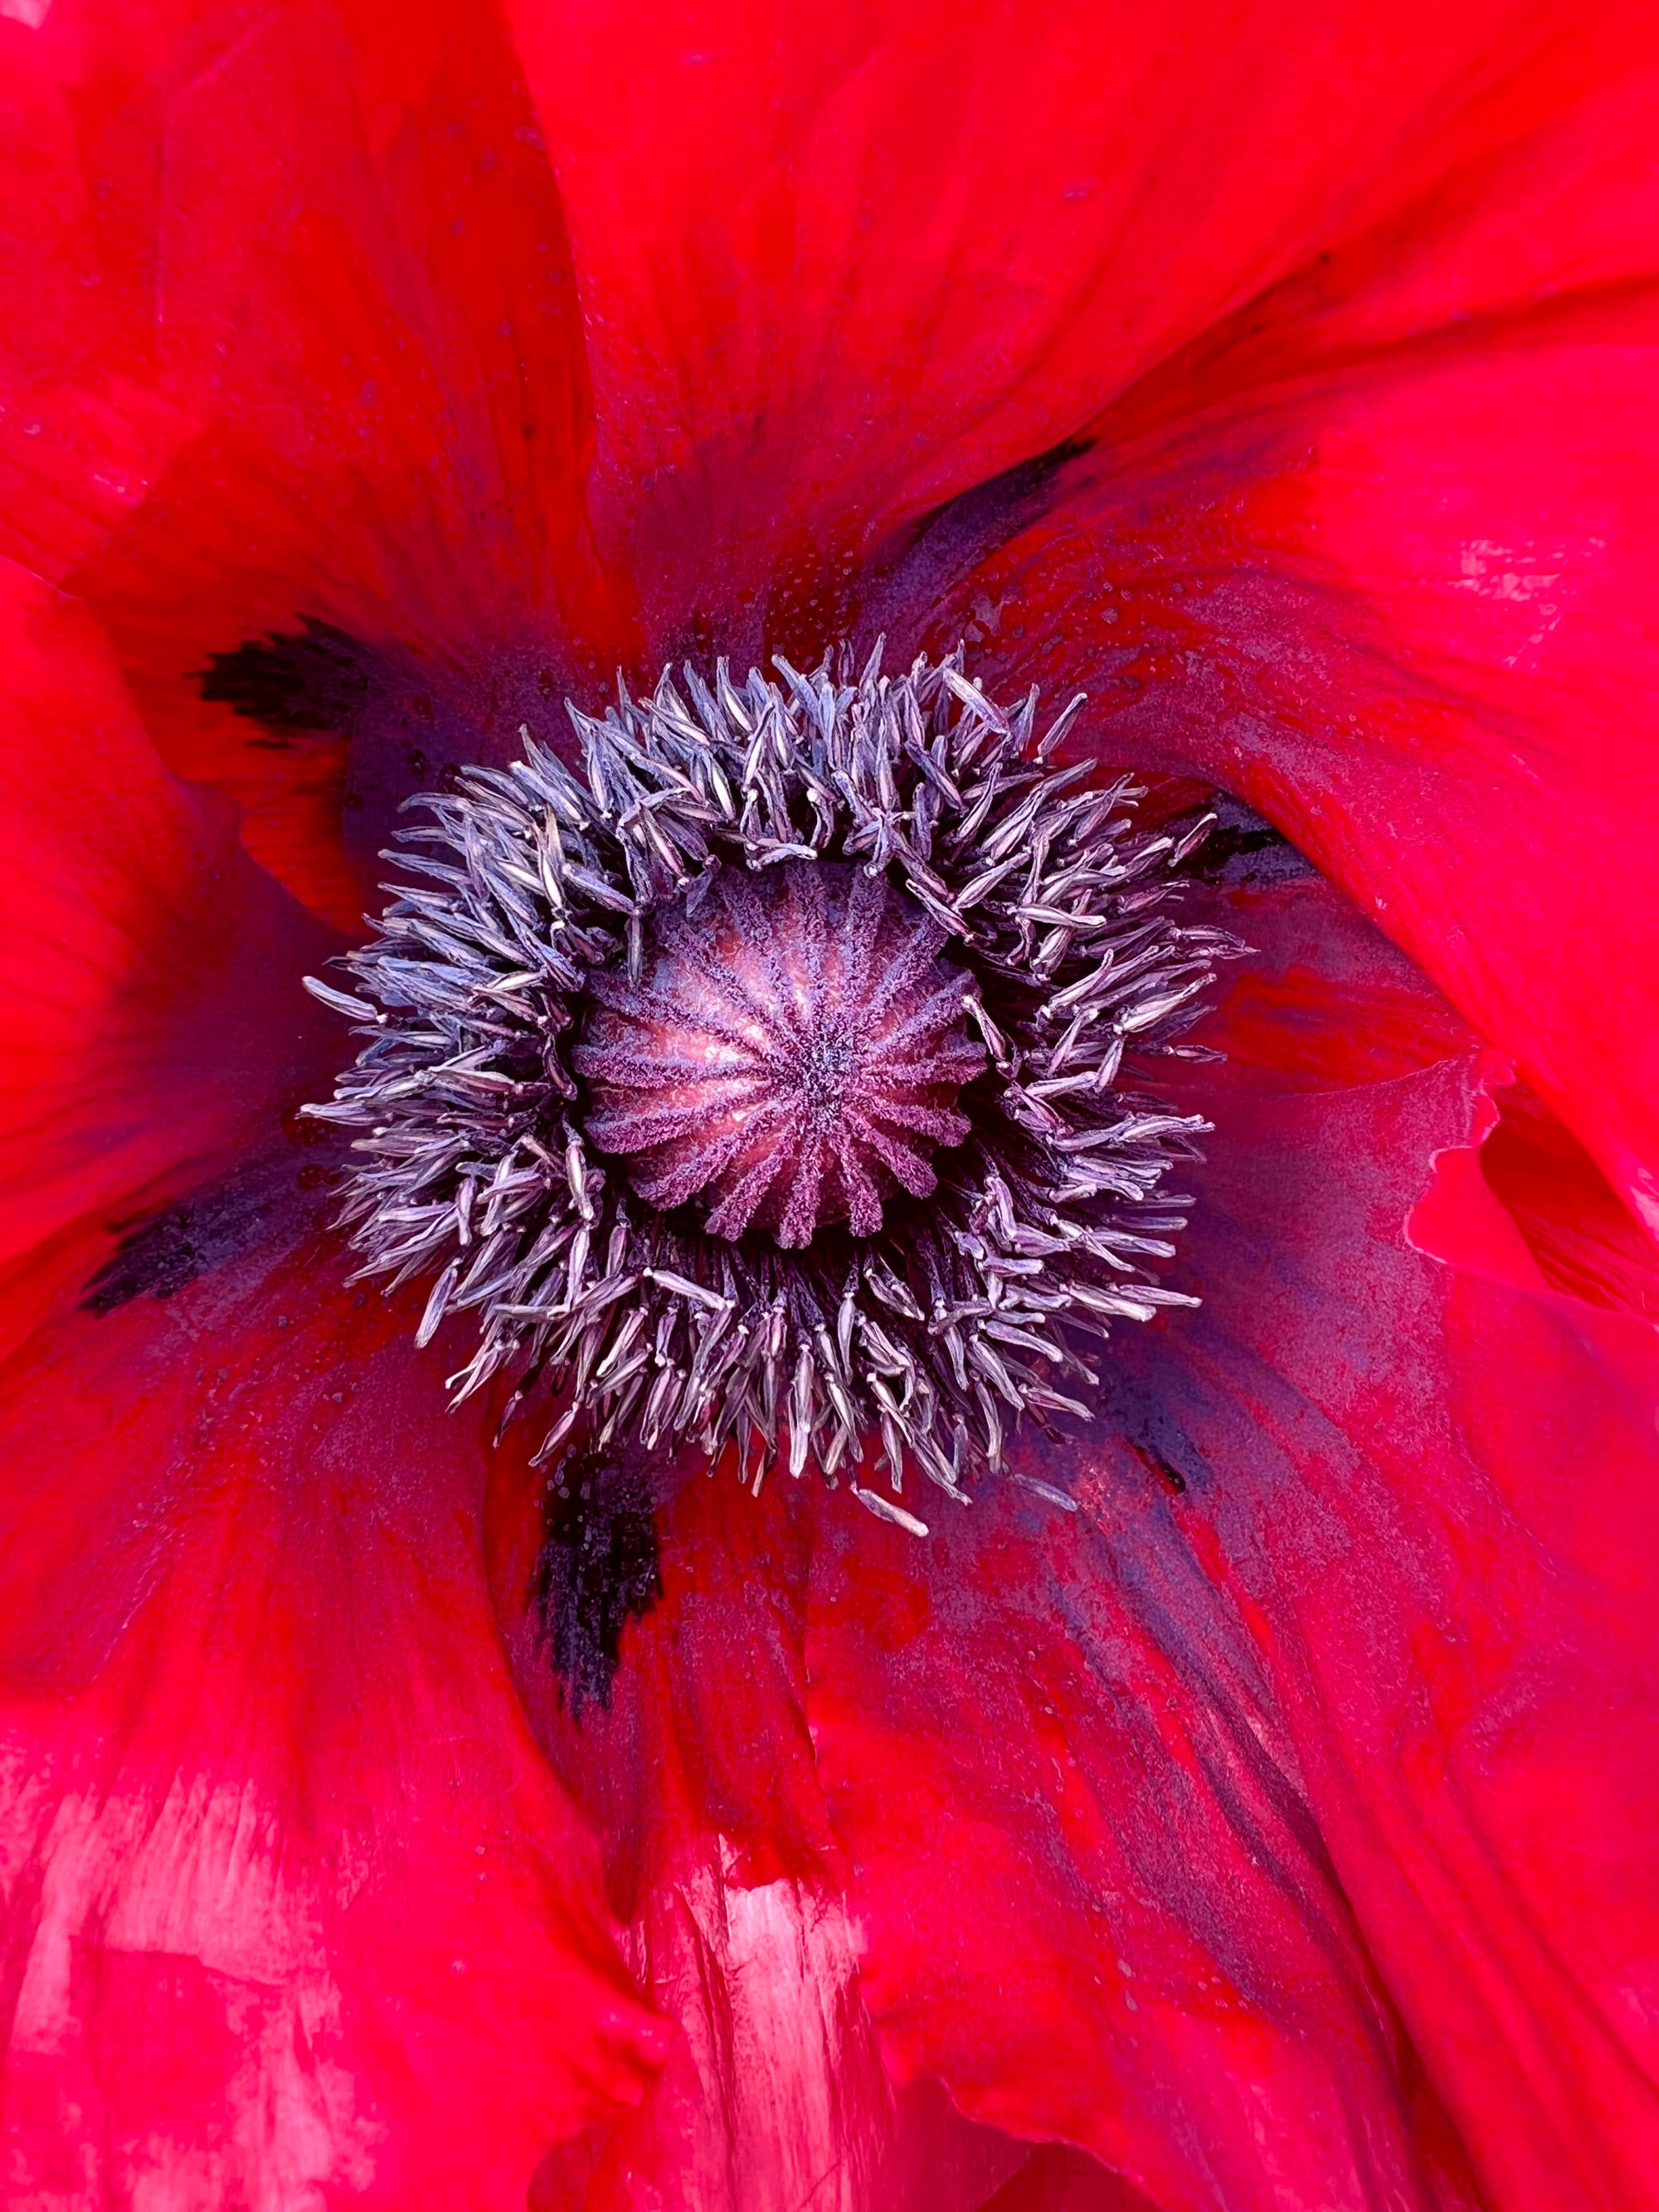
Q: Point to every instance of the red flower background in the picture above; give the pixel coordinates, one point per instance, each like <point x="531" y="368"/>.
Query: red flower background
<point x="1278" y="1831"/>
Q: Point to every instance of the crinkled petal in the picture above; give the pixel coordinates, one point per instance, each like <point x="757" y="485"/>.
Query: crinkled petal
<point x="1427" y="1477"/>
<point x="1090" y="1895"/>
<point x="774" y="2091"/>
<point x="699" y="1777"/>
<point x="295" y="1908"/>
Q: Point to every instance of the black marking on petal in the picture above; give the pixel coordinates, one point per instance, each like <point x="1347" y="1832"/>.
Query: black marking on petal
<point x="176" y="1246"/>
<point x="1143" y="1421"/>
<point x="597" y="1570"/>
<point x="987" y="510"/>
<point x="154" y="1260"/>
<point x="918" y="566"/>
<point x="1243" y="851"/>
<point x="404" y="723"/>
<point x="311" y="681"/>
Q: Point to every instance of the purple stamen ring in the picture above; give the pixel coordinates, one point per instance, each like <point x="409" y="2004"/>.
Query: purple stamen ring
<point x="774" y="1081"/>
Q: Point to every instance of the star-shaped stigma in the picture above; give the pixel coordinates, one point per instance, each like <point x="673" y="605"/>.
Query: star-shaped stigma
<point x="791" y="1051"/>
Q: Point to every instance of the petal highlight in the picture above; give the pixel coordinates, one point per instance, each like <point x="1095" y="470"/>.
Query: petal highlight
<point x="293" y="1895"/>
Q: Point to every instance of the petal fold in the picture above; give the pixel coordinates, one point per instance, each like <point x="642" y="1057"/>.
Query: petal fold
<point x="841" y="267"/>
<point x="291" y="330"/>
<point x="1405" y="611"/>
<point x="1246" y="1828"/>
<point x="150" y="972"/>
<point x="698" y="1774"/>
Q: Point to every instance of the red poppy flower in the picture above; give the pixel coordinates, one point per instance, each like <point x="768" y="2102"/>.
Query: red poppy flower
<point x="1274" y="1828"/>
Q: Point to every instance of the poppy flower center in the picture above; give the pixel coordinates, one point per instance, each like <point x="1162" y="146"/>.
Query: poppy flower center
<point x="774" y="1074"/>
<point x="787" y="1056"/>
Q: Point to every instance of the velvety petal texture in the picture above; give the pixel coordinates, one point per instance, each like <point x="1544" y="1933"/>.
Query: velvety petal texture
<point x="1400" y="1458"/>
<point x="699" y="1777"/>
<point x="1273" y="1830"/>
<point x="1376" y="552"/>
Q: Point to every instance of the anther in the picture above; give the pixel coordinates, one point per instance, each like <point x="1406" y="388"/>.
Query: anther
<point x="842" y="980"/>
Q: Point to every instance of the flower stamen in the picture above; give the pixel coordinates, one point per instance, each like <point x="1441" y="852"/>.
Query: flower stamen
<point x="764" y="1084"/>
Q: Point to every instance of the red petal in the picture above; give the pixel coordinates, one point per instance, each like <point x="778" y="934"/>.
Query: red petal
<point x="705" y="1733"/>
<point x="294" y="331"/>
<point x="293" y="1897"/>
<point x="150" y="974"/>
<point x="839" y="265"/>
<point x="1314" y="1726"/>
<point x="699" y="1777"/>
<point x="1414" y="1464"/>
<point x="1090" y="1896"/>
<point x="774" y="2088"/>
<point x="1407" y="615"/>
<point x="1056" y="2180"/>
<point x="1584" y="1242"/>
